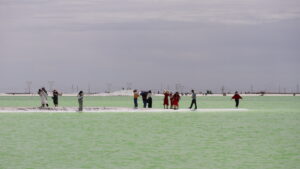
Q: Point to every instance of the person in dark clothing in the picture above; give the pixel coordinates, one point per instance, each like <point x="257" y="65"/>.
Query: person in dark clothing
<point x="194" y="100"/>
<point x="55" y="97"/>
<point x="80" y="101"/>
<point x="149" y="99"/>
<point x="144" y="97"/>
<point x="237" y="98"/>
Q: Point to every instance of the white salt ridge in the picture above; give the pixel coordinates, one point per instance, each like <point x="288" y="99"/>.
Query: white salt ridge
<point x="117" y="93"/>
<point x="104" y="109"/>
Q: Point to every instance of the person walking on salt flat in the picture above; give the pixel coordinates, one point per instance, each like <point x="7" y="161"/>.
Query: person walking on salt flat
<point x="44" y="97"/>
<point x="135" y="98"/>
<point x="194" y="100"/>
<point x="237" y="98"/>
<point x="80" y="100"/>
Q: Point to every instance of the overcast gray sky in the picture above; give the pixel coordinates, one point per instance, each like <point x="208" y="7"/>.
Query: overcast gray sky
<point x="202" y="44"/>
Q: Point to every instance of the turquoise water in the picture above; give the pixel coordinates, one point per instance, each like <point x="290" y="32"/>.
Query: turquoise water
<point x="266" y="136"/>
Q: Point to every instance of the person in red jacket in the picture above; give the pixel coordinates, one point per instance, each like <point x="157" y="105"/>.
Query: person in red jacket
<point x="237" y="98"/>
<point x="166" y="99"/>
<point x="176" y="100"/>
<point x="171" y="100"/>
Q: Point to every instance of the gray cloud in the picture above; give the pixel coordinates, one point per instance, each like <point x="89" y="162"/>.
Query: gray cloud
<point x="201" y="44"/>
<point x="47" y="13"/>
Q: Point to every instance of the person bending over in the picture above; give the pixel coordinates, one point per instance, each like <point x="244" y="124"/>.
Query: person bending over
<point x="144" y="97"/>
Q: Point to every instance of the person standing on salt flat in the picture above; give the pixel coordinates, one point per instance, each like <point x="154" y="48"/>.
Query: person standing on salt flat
<point x="80" y="101"/>
<point x="166" y="99"/>
<point x="46" y="96"/>
<point x="194" y="100"/>
<point x="55" y="97"/>
<point x="176" y="99"/>
<point x="42" y="101"/>
<point x="171" y="100"/>
<point x="135" y="98"/>
<point x="237" y="98"/>
<point x="149" y="99"/>
<point x="43" y="95"/>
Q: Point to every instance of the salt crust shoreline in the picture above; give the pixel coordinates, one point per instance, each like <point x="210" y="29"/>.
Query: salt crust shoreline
<point x="106" y="110"/>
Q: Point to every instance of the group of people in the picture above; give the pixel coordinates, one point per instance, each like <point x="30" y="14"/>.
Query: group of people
<point x="146" y="97"/>
<point x="174" y="100"/>
<point x="55" y="94"/>
<point x="44" y="97"/>
<point x="170" y="99"/>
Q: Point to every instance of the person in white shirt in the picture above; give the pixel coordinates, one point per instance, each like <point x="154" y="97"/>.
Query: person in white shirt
<point x="44" y="97"/>
<point x="194" y="100"/>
